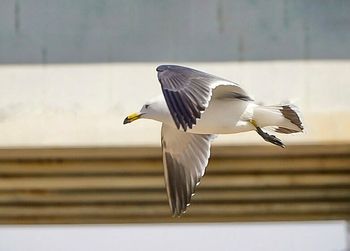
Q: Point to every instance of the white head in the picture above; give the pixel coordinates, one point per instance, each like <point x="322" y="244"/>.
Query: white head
<point x="155" y="109"/>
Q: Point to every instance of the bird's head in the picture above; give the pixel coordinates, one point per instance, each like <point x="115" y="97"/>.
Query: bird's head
<point x="152" y="109"/>
<point x="137" y="115"/>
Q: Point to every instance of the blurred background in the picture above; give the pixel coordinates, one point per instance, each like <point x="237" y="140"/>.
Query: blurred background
<point x="70" y="71"/>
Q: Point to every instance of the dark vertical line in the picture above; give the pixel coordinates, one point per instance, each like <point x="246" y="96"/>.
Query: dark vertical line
<point x="240" y="32"/>
<point x="44" y="46"/>
<point x="306" y="40"/>
<point x="241" y="47"/>
<point x="286" y="14"/>
<point x="44" y="55"/>
<point x="220" y="16"/>
<point x="306" y="31"/>
<point x="17" y="16"/>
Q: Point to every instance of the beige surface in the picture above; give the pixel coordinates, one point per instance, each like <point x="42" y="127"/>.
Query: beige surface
<point x="57" y="105"/>
<point x="124" y="185"/>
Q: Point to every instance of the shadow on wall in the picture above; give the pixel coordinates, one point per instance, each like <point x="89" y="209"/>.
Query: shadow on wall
<point x="93" y="31"/>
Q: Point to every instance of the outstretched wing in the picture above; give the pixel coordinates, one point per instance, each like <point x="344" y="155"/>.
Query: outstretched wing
<point x="187" y="92"/>
<point x="185" y="157"/>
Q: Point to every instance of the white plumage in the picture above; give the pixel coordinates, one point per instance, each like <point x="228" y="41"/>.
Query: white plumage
<point x="194" y="107"/>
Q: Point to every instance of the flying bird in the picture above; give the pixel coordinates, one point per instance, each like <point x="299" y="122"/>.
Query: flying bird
<point x="196" y="106"/>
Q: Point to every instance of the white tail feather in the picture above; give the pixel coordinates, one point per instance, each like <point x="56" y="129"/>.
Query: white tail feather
<point x="283" y="118"/>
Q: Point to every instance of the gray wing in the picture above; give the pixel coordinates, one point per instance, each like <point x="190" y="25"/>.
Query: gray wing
<point x="185" y="157"/>
<point x="187" y="92"/>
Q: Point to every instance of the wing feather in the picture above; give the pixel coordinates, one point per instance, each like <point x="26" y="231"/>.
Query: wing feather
<point x="187" y="92"/>
<point x="185" y="157"/>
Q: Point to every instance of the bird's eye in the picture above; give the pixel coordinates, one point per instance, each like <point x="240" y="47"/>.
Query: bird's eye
<point x="146" y="106"/>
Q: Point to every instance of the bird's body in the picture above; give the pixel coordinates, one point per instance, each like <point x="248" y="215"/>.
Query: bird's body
<point x="224" y="116"/>
<point x="220" y="117"/>
<point x="194" y="107"/>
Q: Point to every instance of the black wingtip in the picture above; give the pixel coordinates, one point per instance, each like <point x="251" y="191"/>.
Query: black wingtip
<point x="161" y="68"/>
<point x="270" y="138"/>
<point x="178" y="214"/>
<point x="173" y="67"/>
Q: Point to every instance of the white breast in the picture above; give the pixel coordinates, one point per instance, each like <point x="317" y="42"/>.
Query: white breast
<point x="224" y="117"/>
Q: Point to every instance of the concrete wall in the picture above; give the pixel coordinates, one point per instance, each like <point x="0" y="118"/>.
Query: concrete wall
<point x="86" y="104"/>
<point x="85" y="31"/>
<point x="70" y="71"/>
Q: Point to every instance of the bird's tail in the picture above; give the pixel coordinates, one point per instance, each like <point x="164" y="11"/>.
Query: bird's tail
<point x="282" y="118"/>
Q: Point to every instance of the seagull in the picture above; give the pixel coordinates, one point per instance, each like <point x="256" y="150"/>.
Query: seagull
<point x="194" y="108"/>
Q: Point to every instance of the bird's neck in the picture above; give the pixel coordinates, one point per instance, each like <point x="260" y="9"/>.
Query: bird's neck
<point x="161" y="111"/>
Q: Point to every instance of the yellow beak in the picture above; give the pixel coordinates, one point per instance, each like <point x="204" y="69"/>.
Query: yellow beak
<point x="132" y="117"/>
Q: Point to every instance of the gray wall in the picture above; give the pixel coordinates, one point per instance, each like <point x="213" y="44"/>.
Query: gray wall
<point x="83" y="31"/>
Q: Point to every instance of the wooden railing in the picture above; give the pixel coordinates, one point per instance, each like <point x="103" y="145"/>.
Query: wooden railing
<point x="124" y="185"/>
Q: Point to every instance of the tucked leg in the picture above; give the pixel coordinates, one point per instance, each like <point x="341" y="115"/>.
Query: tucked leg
<point x="267" y="137"/>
